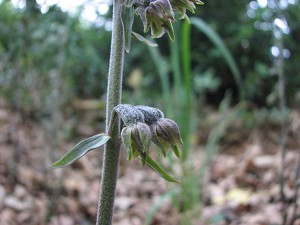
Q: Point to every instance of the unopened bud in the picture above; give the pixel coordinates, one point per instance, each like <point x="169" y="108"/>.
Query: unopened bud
<point x="168" y="130"/>
<point x="136" y="139"/>
<point x="129" y="114"/>
<point x="151" y="114"/>
<point x="157" y="15"/>
<point x="166" y="135"/>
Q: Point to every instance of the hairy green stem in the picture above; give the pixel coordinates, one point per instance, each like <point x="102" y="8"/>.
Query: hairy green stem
<point x="186" y="66"/>
<point x="112" y="148"/>
<point x="279" y="65"/>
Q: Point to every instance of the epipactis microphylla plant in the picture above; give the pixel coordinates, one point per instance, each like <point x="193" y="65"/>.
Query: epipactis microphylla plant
<point x="141" y="126"/>
<point x="134" y="126"/>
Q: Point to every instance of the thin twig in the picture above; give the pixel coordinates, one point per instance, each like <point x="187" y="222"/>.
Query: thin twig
<point x="279" y="65"/>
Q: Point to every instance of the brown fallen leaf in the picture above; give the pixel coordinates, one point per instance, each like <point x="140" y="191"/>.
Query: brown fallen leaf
<point x="17" y="204"/>
<point x="8" y="217"/>
<point x="62" y="219"/>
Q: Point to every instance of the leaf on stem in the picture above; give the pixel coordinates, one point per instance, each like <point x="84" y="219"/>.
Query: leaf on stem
<point x="153" y="165"/>
<point x="127" y="19"/>
<point x="81" y="149"/>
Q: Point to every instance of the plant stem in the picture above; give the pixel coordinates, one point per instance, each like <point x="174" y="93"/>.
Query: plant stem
<point x="112" y="148"/>
<point x="279" y="65"/>
<point x="175" y="66"/>
<point x="186" y="66"/>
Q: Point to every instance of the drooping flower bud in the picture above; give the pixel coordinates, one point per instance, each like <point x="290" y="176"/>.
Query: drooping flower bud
<point x="182" y="5"/>
<point x="141" y="123"/>
<point x="168" y="130"/>
<point x="165" y="132"/>
<point x="136" y="135"/>
<point x="166" y="135"/>
<point x="136" y="139"/>
<point x="157" y="15"/>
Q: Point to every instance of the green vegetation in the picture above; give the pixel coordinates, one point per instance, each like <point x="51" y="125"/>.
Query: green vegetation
<point x="240" y="60"/>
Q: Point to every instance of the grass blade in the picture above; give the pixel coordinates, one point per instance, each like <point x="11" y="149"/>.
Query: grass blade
<point x="215" y="38"/>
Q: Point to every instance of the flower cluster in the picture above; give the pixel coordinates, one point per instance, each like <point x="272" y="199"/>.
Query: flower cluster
<point x="159" y="14"/>
<point x="143" y="124"/>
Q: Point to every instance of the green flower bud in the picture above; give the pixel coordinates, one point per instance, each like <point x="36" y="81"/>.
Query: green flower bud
<point x="145" y="124"/>
<point x="136" y="139"/>
<point x="168" y="130"/>
<point x="166" y="135"/>
<point x="165" y="132"/>
<point x="156" y="15"/>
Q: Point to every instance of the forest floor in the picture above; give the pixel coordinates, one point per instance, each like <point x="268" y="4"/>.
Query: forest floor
<point x="241" y="184"/>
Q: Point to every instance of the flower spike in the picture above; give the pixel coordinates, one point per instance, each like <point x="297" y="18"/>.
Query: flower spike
<point x="143" y="124"/>
<point x="158" y="15"/>
<point x="165" y="132"/>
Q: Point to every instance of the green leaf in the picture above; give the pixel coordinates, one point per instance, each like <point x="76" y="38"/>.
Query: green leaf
<point x="127" y="19"/>
<point x="81" y="149"/>
<point x="144" y="40"/>
<point x="153" y="165"/>
<point x="143" y="158"/>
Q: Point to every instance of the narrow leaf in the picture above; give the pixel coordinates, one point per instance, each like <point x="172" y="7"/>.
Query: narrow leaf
<point x="81" y="149"/>
<point x="127" y="19"/>
<point x="153" y="165"/>
<point x="144" y="40"/>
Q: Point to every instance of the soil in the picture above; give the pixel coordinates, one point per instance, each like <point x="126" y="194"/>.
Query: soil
<point x="241" y="184"/>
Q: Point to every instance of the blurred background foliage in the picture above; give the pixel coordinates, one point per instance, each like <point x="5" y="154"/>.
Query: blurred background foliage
<point x="54" y="61"/>
<point x="54" y="49"/>
<point x="41" y="52"/>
